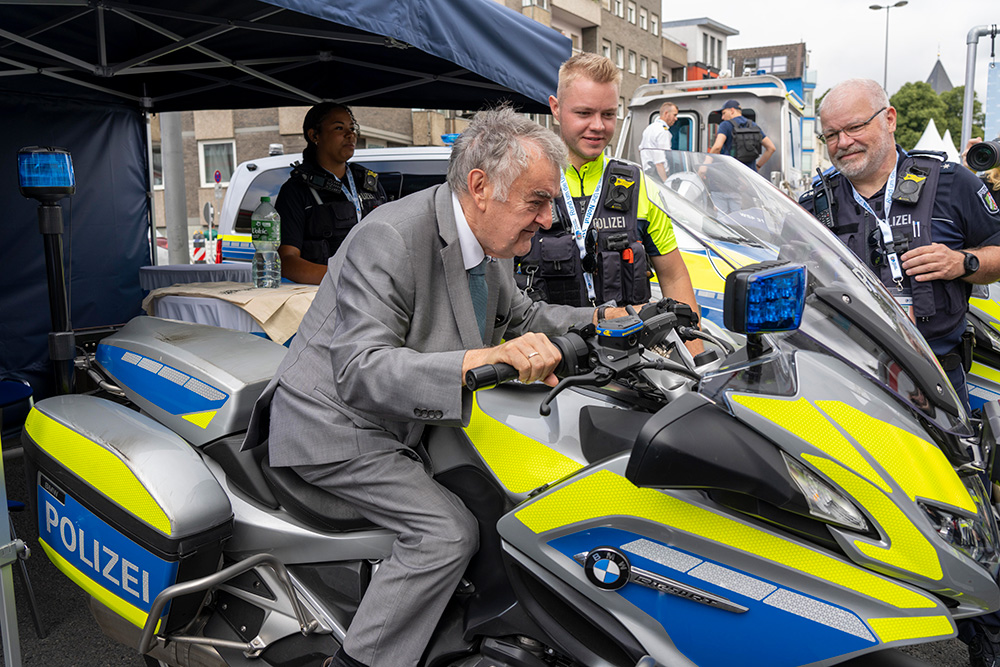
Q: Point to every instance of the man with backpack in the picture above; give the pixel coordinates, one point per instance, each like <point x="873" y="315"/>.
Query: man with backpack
<point x="742" y="138"/>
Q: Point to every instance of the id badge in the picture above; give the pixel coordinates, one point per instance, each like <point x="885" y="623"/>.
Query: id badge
<point x="905" y="301"/>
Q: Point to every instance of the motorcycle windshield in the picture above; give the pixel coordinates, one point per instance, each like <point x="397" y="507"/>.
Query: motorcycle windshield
<point x="728" y="216"/>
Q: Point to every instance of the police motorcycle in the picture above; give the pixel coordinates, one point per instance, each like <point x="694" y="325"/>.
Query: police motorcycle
<point x="810" y="496"/>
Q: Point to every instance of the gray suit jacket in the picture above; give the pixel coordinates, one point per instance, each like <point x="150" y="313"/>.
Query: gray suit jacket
<point x="379" y="353"/>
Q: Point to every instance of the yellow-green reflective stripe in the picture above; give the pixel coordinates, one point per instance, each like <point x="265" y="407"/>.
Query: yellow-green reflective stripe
<point x="606" y="494"/>
<point x="923" y="627"/>
<point x="920" y="468"/>
<point x="703" y="274"/>
<point x="988" y="306"/>
<point x="96" y="466"/>
<point x="985" y="371"/>
<point x="201" y="419"/>
<point x="131" y="613"/>
<point x="520" y="463"/>
<point x="802" y="419"/>
<point x="908" y="549"/>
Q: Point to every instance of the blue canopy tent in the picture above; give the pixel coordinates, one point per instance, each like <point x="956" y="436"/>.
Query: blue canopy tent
<point x="82" y="74"/>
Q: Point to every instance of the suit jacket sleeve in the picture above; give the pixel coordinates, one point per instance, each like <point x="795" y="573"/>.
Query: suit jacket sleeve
<point x="550" y="319"/>
<point x="378" y="366"/>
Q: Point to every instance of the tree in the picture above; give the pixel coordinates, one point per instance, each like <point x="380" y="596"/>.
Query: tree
<point x="916" y="104"/>
<point x="954" y="101"/>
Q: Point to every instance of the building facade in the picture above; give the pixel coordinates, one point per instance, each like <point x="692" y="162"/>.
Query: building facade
<point x="705" y="41"/>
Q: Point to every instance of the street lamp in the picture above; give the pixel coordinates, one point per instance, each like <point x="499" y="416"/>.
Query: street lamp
<point x="885" y="72"/>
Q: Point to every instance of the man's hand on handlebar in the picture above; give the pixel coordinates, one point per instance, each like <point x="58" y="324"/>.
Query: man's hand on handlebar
<point x="533" y="355"/>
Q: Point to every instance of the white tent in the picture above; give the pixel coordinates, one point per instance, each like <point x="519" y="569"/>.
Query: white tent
<point x="953" y="155"/>
<point x="931" y="140"/>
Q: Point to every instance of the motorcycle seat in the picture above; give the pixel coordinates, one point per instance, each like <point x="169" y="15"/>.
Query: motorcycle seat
<point x="310" y="504"/>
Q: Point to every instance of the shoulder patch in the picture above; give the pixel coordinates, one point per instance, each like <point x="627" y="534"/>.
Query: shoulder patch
<point x="986" y="197"/>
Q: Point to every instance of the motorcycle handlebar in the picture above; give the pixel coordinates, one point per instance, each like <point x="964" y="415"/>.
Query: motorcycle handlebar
<point x="489" y="376"/>
<point x="572" y="347"/>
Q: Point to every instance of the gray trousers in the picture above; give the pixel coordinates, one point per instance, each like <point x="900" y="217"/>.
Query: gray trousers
<point x="436" y="538"/>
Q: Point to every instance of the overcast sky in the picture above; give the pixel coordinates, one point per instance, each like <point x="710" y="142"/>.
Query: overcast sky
<point x="847" y="39"/>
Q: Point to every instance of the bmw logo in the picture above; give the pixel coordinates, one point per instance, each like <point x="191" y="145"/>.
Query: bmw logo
<point x="607" y="568"/>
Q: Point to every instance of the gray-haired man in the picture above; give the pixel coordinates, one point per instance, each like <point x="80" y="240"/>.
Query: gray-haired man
<point x="397" y="317"/>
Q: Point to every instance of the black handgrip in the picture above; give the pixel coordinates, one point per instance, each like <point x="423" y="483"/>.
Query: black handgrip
<point x="490" y="375"/>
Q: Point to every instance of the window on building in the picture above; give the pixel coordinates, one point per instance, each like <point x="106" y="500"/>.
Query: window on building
<point x="706" y="53"/>
<point x="631" y="13"/>
<point x="713" y="43"/>
<point x="216" y="156"/>
<point x="544" y="4"/>
<point x="749" y="66"/>
<point x="620" y="56"/>
<point x="654" y="70"/>
<point x="809" y="132"/>
<point x="543" y="119"/>
<point x="654" y="23"/>
<point x="606" y="49"/>
<point x="631" y="62"/>
<point x="643" y="67"/>
<point x="158" y="167"/>
<point x="619" y="6"/>
<point x="809" y="96"/>
<point x="621" y="107"/>
<point x="643" y="18"/>
<point x="773" y="65"/>
<point x="718" y="53"/>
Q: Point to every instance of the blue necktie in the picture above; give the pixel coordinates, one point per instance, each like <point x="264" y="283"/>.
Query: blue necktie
<point x="479" y="292"/>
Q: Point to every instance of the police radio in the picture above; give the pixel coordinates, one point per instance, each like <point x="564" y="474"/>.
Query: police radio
<point x="316" y="180"/>
<point x="824" y="205"/>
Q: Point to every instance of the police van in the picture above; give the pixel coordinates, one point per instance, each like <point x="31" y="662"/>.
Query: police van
<point x="401" y="171"/>
<point x="764" y="99"/>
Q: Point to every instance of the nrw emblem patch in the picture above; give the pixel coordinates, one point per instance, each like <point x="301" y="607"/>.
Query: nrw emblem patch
<point x="607" y="568"/>
<point x="988" y="201"/>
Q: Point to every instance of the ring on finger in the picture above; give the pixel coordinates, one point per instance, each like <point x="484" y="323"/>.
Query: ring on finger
<point x="533" y="354"/>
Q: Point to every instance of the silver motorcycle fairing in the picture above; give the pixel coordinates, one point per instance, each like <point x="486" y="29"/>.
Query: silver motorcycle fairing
<point x="198" y="380"/>
<point x="806" y="605"/>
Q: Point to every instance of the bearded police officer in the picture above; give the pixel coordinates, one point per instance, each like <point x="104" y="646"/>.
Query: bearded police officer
<point x="325" y="196"/>
<point x="607" y="234"/>
<point x="926" y="227"/>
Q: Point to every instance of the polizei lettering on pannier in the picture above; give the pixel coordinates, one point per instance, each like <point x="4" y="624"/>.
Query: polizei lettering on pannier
<point x="100" y="552"/>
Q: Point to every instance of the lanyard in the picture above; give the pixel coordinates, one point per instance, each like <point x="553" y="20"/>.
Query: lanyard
<point x="352" y="195"/>
<point x="883" y="224"/>
<point x="580" y="228"/>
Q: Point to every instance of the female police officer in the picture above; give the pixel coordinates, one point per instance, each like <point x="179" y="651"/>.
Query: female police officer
<point x="325" y="196"/>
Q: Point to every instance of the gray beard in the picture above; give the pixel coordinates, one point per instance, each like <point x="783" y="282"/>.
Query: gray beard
<point x="875" y="155"/>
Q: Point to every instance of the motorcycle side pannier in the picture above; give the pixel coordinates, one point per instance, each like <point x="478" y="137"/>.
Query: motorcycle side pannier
<point x="124" y="506"/>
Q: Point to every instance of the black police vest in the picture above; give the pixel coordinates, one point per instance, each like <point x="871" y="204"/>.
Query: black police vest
<point x="328" y="221"/>
<point x="939" y="305"/>
<point x="553" y="271"/>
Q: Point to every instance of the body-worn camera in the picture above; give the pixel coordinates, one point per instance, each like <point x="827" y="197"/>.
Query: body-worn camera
<point x="984" y="156"/>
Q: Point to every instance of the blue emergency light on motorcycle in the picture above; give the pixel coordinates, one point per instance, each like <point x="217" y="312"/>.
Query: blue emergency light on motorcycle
<point x="765" y="297"/>
<point x="45" y="173"/>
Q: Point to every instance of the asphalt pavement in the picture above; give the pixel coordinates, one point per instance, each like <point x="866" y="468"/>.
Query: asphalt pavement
<point x="73" y="638"/>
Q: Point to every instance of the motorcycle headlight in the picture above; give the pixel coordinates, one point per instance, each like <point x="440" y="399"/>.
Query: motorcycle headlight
<point x="975" y="536"/>
<point x="824" y="501"/>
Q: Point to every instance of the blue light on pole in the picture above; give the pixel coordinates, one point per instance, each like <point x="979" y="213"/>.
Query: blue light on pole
<point x="45" y="173"/>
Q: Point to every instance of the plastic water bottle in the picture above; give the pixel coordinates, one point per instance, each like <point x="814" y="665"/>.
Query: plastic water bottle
<point x="265" y="230"/>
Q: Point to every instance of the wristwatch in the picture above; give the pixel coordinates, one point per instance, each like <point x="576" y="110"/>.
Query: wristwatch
<point x="971" y="263"/>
